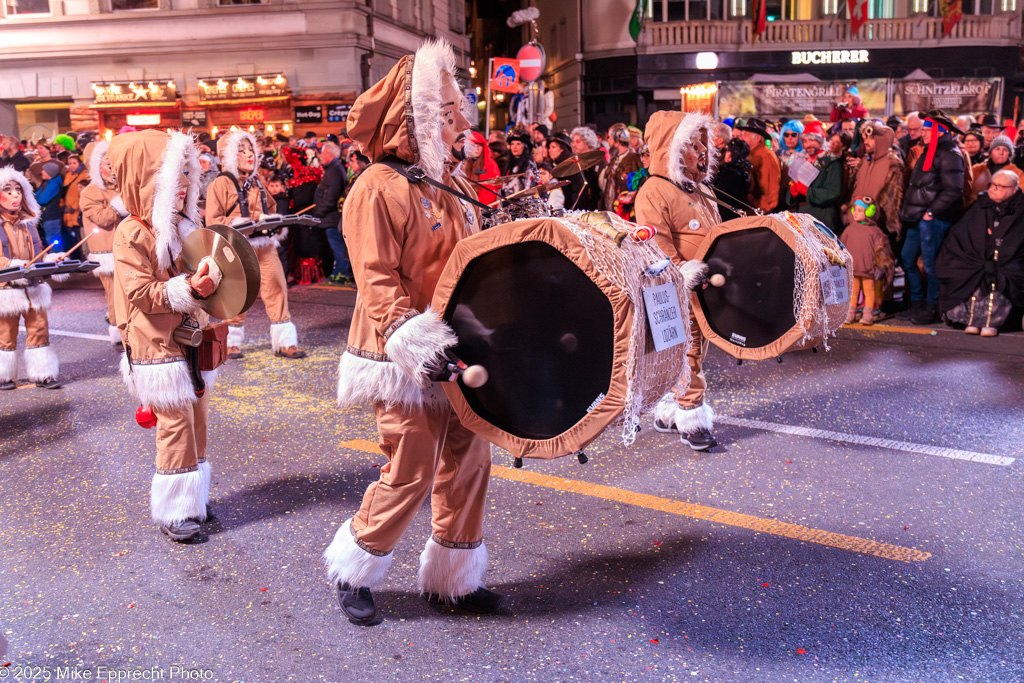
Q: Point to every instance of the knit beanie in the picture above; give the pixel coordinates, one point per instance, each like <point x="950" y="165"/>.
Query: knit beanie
<point x="1001" y="141"/>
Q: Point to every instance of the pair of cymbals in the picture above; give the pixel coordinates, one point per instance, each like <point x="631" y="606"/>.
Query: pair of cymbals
<point x="577" y="163"/>
<point x="501" y="179"/>
<point x="537" y="189"/>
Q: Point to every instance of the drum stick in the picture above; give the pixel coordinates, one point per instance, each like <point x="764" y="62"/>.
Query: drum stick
<point x="94" y="231"/>
<point x="311" y="206"/>
<point x="41" y="254"/>
<point x="473" y="376"/>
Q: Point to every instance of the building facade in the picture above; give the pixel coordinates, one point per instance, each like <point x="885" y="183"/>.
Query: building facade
<point x="266" y="65"/>
<point x="899" y="57"/>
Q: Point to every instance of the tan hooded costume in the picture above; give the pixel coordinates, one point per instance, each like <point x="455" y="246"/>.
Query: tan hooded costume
<point x="881" y="178"/>
<point x="102" y="210"/>
<point x="19" y="243"/>
<point x="683" y="220"/>
<point x="152" y="298"/>
<point x="223" y="208"/>
<point x="400" y="235"/>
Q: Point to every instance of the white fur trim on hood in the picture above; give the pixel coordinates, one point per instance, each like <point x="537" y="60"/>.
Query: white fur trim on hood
<point x="348" y="563"/>
<point x="177" y="497"/>
<point x="433" y="57"/>
<point x="28" y="198"/>
<point x="171" y="231"/>
<point x="93" y="163"/>
<point x="451" y="572"/>
<point x="362" y="381"/>
<point x="17" y="300"/>
<point x="420" y="342"/>
<point x="41" y="363"/>
<point x="228" y="152"/>
<point x="690" y="123"/>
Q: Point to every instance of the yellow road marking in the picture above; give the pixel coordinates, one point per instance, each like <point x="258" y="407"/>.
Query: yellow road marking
<point x="334" y="287"/>
<point x="710" y="514"/>
<point x="893" y="328"/>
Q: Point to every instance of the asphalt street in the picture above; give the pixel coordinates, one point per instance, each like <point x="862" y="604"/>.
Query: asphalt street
<point x="860" y="522"/>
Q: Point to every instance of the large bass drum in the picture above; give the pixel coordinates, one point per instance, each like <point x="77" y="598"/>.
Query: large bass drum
<point x="554" y="309"/>
<point x="787" y="281"/>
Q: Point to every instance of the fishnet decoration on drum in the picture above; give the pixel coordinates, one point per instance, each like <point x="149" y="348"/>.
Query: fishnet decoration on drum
<point x="817" y="246"/>
<point x="649" y="374"/>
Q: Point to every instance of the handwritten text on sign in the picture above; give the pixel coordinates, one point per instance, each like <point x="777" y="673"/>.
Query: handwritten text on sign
<point x="834" y="285"/>
<point x="665" y="316"/>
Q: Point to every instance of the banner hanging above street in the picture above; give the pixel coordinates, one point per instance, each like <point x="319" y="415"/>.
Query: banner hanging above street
<point x="795" y="99"/>
<point x="954" y="96"/>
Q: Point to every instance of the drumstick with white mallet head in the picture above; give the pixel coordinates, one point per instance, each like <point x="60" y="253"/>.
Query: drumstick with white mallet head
<point x="473" y="376"/>
<point x="717" y="280"/>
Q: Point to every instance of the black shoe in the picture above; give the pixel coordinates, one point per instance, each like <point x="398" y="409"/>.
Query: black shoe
<point x="700" y="440"/>
<point x="7" y="386"/>
<point x="357" y="604"/>
<point x="665" y="428"/>
<point x="210" y="517"/>
<point x="49" y="383"/>
<point x="480" y="601"/>
<point x="925" y="315"/>
<point x="185" y="530"/>
<point x="909" y="310"/>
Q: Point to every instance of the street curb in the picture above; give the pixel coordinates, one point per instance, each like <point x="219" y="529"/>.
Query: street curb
<point x="935" y="337"/>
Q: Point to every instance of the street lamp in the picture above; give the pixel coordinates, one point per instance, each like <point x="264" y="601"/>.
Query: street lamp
<point x="707" y="60"/>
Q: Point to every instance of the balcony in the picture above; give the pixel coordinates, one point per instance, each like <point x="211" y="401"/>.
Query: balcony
<point x="920" y="31"/>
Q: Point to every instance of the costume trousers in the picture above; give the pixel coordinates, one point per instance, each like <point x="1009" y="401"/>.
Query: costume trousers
<point x="108" y="289"/>
<point x="428" y="452"/>
<point x="181" y="437"/>
<point x="36" y="325"/>
<point x="692" y="397"/>
<point x="273" y="288"/>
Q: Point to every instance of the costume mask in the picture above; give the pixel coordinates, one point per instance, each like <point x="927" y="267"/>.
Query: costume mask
<point x="246" y="157"/>
<point x="107" y="172"/>
<point x="695" y="155"/>
<point x="10" y="197"/>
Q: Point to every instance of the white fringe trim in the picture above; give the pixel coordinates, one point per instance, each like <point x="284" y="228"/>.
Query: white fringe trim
<point x="164" y="386"/>
<point x="106" y="261"/>
<point x="451" y="572"/>
<point x="431" y="59"/>
<point x="41" y="363"/>
<point x="362" y="381"/>
<point x="283" y="335"/>
<point x="171" y="231"/>
<point x="115" y="335"/>
<point x="177" y="497"/>
<point x="180" y="297"/>
<point x="14" y="301"/>
<point x="348" y="563"/>
<point x="8" y="366"/>
<point x="236" y="335"/>
<point x="419" y="342"/>
<point x="686" y="421"/>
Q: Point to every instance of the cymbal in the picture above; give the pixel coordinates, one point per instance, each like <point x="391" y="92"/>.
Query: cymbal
<point x="237" y="262"/>
<point x="502" y="179"/>
<point x="577" y="163"/>
<point x="537" y="189"/>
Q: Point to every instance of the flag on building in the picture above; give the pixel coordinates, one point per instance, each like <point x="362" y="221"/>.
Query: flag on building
<point x="952" y="12"/>
<point x="758" y="19"/>
<point x="506" y="75"/>
<point x="636" y="22"/>
<point x="858" y="11"/>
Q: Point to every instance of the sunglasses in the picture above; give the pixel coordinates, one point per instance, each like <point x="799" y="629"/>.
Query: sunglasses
<point x="791" y="135"/>
<point x="1002" y="187"/>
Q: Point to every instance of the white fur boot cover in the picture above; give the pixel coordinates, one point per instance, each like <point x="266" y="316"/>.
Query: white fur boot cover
<point x="8" y="366"/>
<point x="41" y="363"/>
<point x="689" y="421"/>
<point x="348" y="563"/>
<point x="115" y="336"/>
<point x="451" y="572"/>
<point x="177" y="497"/>
<point x="204" y="473"/>
<point x="236" y="335"/>
<point x="282" y="335"/>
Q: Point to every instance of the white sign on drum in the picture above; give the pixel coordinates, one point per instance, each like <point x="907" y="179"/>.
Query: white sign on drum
<point x="664" y="316"/>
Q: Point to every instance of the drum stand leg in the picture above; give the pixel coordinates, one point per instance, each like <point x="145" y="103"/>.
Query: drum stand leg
<point x="814" y="349"/>
<point x="582" y="457"/>
<point x="517" y="463"/>
<point x="779" y="359"/>
<point x="739" y="361"/>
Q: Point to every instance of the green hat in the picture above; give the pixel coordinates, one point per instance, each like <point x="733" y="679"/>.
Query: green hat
<point x="65" y="141"/>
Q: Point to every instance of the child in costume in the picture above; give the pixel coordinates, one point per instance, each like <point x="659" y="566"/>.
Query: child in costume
<point x="873" y="262"/>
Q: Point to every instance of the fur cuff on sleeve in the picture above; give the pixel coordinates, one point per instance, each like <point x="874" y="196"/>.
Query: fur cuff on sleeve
<point x="693" y="273"/>
<point x="179" y="295"/>
<point x="420" y="342"/>
<point x="53" y="258"/>
<point x="235" y="222"/>
<point x="117" y="204"/>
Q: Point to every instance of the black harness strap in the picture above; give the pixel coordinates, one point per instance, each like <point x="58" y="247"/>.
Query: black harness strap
<point x="243" y="198"/>
<point x="415" y="175"/>
<point x="695" y="189"/>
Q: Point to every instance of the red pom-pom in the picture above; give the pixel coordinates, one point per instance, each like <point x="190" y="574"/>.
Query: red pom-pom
<point x="145" y="417"/>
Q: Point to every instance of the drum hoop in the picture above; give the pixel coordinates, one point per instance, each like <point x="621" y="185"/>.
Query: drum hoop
<point x="776" y="348"/>
<point x="597" y="420"/>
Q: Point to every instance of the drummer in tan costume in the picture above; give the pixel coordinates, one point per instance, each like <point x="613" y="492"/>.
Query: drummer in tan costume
<point x="152" y="298"/>
<point x="682" y="157"/>
<point x="399" y="236"/>
<point x="238" y="152"/>
<point x="102" y="210"/>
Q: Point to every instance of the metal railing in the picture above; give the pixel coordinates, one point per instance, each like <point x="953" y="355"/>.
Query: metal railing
<point x="997" y="29"/>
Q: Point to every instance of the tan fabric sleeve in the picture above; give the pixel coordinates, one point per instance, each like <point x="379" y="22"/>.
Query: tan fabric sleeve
<point x="374" y="223"/>
<point x="134" y="263"/>
<point x="651" y="210"/>
<point x="97" y="210"/>
<point x="219" y="198"/>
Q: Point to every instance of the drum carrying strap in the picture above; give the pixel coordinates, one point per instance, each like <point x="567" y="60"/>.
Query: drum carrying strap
<point x="695" y="189"/>
<point x="243" y="194"/>
<point x="414" y="175"/>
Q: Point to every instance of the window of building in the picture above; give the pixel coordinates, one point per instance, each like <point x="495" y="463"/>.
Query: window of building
<point x="773" y="10"/>
<point x="737" y="8"/>
<point x="15" y="7"/>
<point x="226" y="3"/>
<point x="829" y="7"/>
<point x="881" y="9"/>
<point x="120" y="5"/>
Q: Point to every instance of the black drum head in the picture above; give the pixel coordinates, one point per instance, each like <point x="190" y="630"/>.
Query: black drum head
<point x="755" y="306"/>
<point x="544" y="331"/>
